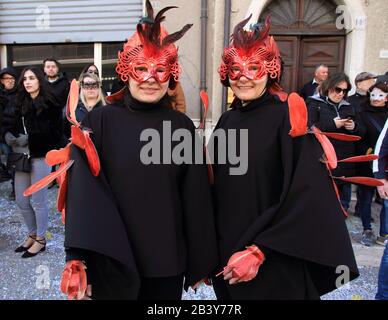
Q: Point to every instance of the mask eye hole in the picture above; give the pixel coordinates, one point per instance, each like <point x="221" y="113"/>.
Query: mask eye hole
<point x="141" y="69"/>
<point x="253" y="68"/>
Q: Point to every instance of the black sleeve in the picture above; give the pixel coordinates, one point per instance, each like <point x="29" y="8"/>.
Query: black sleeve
<point x="199" y="221"/>
<point x="318" y="116"/>
<point x="76" y="254"/>
<point x="296" y="225"/>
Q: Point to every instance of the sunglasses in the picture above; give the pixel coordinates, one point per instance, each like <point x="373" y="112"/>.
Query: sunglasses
<point x="339" y="90"/>
<point x="90" y="85"/>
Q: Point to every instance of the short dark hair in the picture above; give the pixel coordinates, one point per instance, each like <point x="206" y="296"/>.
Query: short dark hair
<point x="332" y="81"/>
<point x="52" y="60"/>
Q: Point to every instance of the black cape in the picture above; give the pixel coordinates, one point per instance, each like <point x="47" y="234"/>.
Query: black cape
<point x="285" y="204"/>
<point x="138" y="220"/>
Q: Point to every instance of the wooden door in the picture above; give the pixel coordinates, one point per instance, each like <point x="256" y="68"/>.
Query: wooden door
<point x="317" y="50"/>
<point x="289" y="51"/>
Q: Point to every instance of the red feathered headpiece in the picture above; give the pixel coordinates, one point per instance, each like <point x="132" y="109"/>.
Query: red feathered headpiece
<point x="151" y="52"/>
<point x="252" y="54"/>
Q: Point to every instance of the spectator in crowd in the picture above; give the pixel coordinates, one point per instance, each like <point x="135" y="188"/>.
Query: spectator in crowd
<point x="4" y="174"/>
<point x="60" y="87"/>
<point x="37" y="129"/>
<point x="329" y="111"/>
<point x="8" y="91"/>
<point x="321" y="73"/>
<point x="59" y="84"/>
<point x="373" y="116"/>
<point x="359" y="99"/>
<point x="379" y="170"/>
<point x="91" y="96"/>
<point x="91" y="68"/>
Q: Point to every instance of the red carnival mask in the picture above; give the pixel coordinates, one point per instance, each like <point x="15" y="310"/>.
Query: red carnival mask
<point x="150" y="52"/>
<point x="252" y="54"/>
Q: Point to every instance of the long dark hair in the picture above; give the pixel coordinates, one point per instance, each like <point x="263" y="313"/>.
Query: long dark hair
<point x="332" y="81"/>
<point x="44" y="99"/>
<point x="85" y="70"/>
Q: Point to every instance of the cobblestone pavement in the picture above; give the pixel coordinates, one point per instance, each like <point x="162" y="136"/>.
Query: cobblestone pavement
<point x="39" y="277"/>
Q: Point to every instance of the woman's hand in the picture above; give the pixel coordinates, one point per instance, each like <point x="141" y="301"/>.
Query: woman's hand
<point x="383" y="190"/>
<point x="244" y="265"/>
<point x="74" y="281"/>
<point x="339" y="123"/>
<point x="349" y="125"/>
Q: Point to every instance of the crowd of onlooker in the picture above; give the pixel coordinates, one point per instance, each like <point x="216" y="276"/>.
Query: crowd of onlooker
<point x="364" y="114"/>
<point x="32" y="122"/>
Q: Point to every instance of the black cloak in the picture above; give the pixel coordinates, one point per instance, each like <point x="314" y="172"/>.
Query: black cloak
<point x="136" y="220"/>
<point x="285" y="204"/>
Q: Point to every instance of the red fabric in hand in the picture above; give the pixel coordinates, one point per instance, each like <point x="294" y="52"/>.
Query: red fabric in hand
<point x="245" y="264"/>
<point x="74" y="281"/>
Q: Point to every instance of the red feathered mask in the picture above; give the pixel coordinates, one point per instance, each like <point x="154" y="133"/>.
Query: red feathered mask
<point x="151" y="52"/>
<point x="252" y="54"/>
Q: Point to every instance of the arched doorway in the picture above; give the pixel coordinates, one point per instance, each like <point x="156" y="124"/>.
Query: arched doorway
<point x="306" y="33"/>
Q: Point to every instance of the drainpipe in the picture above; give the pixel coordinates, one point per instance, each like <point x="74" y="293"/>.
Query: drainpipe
<point x="203" y="51"/>
<point x="228" y="9"/>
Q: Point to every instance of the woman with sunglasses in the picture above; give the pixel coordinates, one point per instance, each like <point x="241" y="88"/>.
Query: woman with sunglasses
<point x="144" y="230"/>
<point x="91" y="96"/>
<point x="330" y="112"/>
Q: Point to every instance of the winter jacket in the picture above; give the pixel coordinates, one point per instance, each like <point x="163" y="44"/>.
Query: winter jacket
<point x="60" y="88"/>
<point x="321" y="112"/>
<point x="44" y="128"/>
<point x="373" y="118"/>
<point x="8" y="112"/>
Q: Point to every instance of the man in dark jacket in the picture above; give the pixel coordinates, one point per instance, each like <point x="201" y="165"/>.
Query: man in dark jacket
<point x="321" y="73"/>
<point x="8" y="94"/>
<point x="60" y="87"/>
<point x="58" y="82"/>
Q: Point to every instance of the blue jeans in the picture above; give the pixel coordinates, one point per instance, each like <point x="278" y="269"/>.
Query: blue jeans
<point x="363" y="206"/>
<point x="384" y="219"/>
<point x="345" y="192"/>
<point x="5" y="149"/>
<point x="34" y="209"/>
<point x="382" y="291"/>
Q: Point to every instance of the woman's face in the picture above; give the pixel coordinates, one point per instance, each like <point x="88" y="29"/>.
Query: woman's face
<point x="246" y="89"/>
<point x="31" y="83"/>
<point x="338" y="92"/>
<point x="149" y="91"/>
<point x="90" y="88"/>
<point x="378" y="98"/>
<point x="92" y="69"/>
